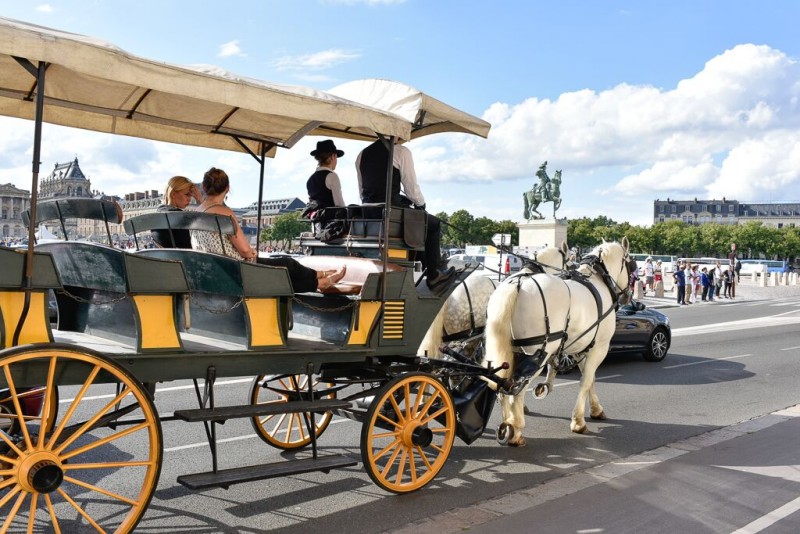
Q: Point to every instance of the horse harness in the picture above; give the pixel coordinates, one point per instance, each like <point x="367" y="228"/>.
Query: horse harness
<point x="473" y="329"/>
<point x="616" y="292"/>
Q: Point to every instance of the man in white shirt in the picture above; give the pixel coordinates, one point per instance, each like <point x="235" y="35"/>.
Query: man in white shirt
<point x="371" y="166"/>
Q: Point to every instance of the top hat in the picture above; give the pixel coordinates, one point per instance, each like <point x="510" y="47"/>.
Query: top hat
<point x="327" y="147"/>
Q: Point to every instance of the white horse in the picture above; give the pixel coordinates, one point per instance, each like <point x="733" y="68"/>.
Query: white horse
<point x="545" y="316"/>
<point x="462" y="318"/>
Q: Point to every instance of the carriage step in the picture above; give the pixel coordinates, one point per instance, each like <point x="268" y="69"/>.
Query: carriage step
<point x="252" y="410"/>
<point x="228" y="477"/>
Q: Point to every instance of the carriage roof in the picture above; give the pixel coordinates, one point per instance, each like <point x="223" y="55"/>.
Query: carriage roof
<point x="95" y="85"/>
<point x="426" y="114"/>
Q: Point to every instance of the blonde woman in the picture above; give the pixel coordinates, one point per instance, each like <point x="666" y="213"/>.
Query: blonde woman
<point x="177" y="196"/>
<point x="304" y="279"/>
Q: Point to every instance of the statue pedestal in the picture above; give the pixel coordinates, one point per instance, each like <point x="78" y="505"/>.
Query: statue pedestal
<point x="542" y="233"/>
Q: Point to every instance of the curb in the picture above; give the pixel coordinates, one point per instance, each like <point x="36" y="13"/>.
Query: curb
<point x="460" y="519"/>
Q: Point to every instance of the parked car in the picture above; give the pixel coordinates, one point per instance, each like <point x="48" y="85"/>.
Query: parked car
<point x="641" y="329"/>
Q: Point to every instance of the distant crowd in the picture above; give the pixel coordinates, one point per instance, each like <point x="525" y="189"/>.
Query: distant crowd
<point x="693" y="284"/>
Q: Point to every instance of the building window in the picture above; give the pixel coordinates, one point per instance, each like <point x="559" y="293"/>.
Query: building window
<point x="5" y="213"/>
<point x="660" y="218"/>
<point x="674" y="209"/>
<point x="661" y="209"/>
<point x="730" y="208"/>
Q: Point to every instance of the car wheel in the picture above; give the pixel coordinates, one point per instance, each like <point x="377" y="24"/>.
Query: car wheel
<point x="657" y="346"/>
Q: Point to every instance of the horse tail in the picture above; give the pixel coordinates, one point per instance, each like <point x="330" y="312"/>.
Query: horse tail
<point x="433" y="338"/>
<point x="498" y="326"/>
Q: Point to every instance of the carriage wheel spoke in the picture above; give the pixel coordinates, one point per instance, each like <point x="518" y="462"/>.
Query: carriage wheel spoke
<point x="418" y="400"/>
<point x="102" y="441"/>
<point x="12" y="388"/>
<point x="10" y="494"/>
<point x="425" y="409"/>
<point x="300" y="425"/>
<point x="397" y="409"/>
<point x="107" y="493"/>
<point x="386" y="449"/>
<point x="88" y="425"/>
<point x="384" y="435"/>
<point x="412" y="463"/>
<point x="52" y="513"/>
<point x="11" y="445"/>
<point x="80" y="510"/>
<point x="13" y="512"/>
<point x="401" y="467"/>
<point x="391" y="422"/>
<point x="32" y="513"/>
<point x="8" y="482"/>
<point x="48" y="399"/>
<point x="390" y="462"/>
<point x="434" y="415"/>
<point x="8" y="459"/>
<point x="424" y="457"/>
<point x="407" y="399"/>
<point x="73" y="406"/>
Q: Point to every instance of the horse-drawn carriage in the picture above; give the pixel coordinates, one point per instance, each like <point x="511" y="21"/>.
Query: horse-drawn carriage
<point x="130" y="319"/>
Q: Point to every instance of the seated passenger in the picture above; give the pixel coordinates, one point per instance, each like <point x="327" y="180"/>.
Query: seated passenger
<point x="304" y="279"/>
<point x="324" y="186"/>
<point x="371" y="165"/>
<point x="178" y="195"/>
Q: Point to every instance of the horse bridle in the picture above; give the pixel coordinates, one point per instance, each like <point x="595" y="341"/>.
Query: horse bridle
<point x="563" y="260"/>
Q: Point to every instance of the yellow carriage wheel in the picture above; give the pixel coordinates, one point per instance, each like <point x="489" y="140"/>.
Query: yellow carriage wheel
<point x="286" y="431"/>
<point x="408" y="433"/>
<point x="89" y="469"/>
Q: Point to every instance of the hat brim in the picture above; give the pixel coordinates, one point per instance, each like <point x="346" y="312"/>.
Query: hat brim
<point x="339" y="153"/>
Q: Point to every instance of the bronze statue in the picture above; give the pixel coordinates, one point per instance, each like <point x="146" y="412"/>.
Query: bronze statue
<point x="547" y="190"/>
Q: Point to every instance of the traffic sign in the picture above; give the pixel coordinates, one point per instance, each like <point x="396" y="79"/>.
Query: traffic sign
<point x="501" y="240"/>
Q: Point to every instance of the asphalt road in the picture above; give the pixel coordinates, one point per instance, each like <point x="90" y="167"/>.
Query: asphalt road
<point x="728" y="363"/>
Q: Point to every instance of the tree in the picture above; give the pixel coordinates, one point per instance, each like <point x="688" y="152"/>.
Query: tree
<point x="460" y="230"/>
<point x="288" y="227"/>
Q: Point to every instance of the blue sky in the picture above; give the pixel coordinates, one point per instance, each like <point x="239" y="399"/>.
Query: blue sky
<point x="633" y="100"/>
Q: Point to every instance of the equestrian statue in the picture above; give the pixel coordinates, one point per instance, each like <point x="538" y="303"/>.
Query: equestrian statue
<point x="547" y="190"/>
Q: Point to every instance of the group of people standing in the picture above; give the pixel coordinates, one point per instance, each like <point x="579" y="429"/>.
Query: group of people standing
<point x="704" y="284"/>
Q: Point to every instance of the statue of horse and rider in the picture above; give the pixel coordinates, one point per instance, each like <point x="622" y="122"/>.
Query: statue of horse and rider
<point x="547" y="190"/>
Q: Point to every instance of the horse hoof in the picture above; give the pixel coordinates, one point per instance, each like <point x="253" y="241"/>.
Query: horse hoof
<point x="599" y="417"/>
<point x="580" y="429"/>
<point x="504" y="434"/>
<point x="518" y="443"/>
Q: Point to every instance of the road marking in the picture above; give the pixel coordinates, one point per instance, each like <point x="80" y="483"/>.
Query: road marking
<point x="237" y="438"/>
<point x="792" y="348"/>
<point x="706" y="361"/>
<point x="781" y="319"/>
<point x="162" y="390"/>
<point x="787" y="472"/>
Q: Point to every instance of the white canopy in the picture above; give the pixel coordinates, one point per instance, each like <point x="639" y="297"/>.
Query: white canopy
<point x="426" y="114"/>
<point x="97" y="86"/>
<point x="44" y="233"/>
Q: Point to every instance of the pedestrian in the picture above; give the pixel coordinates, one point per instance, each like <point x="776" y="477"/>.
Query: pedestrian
<point x="679" y="276"/>
<point x="738" y="269"/>
<point x="727" y="276"/>
<point x="649" y="272"/>
<point x="718" y="279"/>
<point x="704" y="283"/>
<point x="658" y="273"/>
<point x="711" y="284"/>
<point x="689" y="274"/>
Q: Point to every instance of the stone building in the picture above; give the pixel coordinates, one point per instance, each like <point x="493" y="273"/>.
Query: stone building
<point x="269" y="210"/>
<point x="726" y="211"/>
<point x="13" y="202"/>
<point x="68" y="181"/>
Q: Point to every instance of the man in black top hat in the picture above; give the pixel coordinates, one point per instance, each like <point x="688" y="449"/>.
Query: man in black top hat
<point x="371" y="165"/>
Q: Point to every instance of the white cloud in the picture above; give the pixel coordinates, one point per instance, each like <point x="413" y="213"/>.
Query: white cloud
<point x="732" y="129"/>
<point x="316" y="61"/>
<point x="44" y="8"/>
<point x="230" y="48"/>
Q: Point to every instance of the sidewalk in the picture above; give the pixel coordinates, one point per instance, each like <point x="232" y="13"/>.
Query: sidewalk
<point x="745" y="291"/>
<point x="719" y="481"/>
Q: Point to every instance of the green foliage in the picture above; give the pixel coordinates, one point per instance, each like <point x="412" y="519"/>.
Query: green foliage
<point x="286" y="228"/>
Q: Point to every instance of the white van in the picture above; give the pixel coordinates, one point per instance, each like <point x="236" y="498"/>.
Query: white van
<point x="488" y="264"/>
